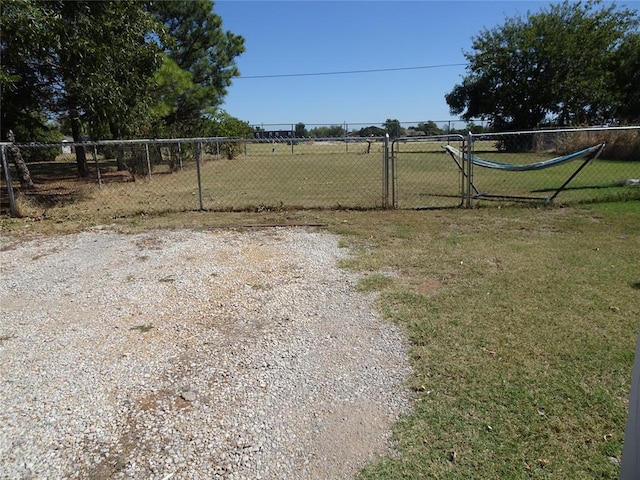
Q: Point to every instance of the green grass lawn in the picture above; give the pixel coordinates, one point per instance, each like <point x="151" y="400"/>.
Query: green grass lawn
<point x="428" y="177"/>
<point x="523" y="325"/>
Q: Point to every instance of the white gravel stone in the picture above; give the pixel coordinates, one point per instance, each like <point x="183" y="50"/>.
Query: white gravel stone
<point x="192" y="355"/>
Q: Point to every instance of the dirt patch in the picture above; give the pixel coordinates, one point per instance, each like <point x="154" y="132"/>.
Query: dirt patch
<point x="429" y="286"/>
<point x="221" y="355"/>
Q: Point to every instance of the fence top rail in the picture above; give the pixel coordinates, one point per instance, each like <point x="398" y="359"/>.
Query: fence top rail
<point x="91" y="143"/>
<point x="430" y="138"/>
<point x="554" y="130"/>
<point x="149" y="141"/>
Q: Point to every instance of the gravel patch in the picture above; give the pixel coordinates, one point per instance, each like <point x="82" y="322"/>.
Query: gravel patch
<point x="195" y="355"/>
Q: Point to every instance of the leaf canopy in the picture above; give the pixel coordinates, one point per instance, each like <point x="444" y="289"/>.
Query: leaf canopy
<point x="560" y="64"/>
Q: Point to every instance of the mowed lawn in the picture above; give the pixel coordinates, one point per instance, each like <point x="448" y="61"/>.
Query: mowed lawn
<point x="427" y="176"/>
<point x="523" y="325"/>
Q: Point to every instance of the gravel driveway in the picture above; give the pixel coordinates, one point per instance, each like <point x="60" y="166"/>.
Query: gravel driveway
<point x="183" y="354"/>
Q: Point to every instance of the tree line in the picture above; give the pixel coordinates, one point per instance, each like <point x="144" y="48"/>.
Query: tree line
<point x="132" y="69"/>
<point x="392" y="127"/>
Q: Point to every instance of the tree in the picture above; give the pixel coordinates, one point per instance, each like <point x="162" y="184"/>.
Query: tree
<point x="22" y="90"/>
<point x="334" y="131"/>
<point x="429" y="128"/>
<point x="105" y="71"/>
<point x="170" y="84"/>
<point x="197" y="44"/>
<point x="393" y="128"/>
<point x="552" y="64"/>
<point x="301" y="130"/>
<point x="626" y="68"/>
<point x="16" y="157"/>
<point x="224" y="125"/>
<point x="122" y="69"/>
<point x="90" y="61"/>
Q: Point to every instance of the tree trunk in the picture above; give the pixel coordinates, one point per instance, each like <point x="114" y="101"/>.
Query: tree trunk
<point x="21" y="166"/>
<point x="116" y="135"/>
<point x="81" y="155"/>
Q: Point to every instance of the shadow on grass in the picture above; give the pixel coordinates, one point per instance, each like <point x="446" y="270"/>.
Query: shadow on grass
<point x="585" y="187"/>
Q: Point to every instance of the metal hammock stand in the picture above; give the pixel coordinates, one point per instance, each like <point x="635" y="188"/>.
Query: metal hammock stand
<point x="589" y="154"/>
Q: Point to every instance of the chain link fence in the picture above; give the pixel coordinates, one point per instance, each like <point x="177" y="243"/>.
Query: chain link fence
<point x="578" y="165"/>
<point x="139" y="177"/>
<point x="423" y="177"/>
<point x="153" y="176"/>
<point x="571" y="166"/>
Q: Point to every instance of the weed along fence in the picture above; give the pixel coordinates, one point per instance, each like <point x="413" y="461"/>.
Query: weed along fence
<point x="125" y="178"/>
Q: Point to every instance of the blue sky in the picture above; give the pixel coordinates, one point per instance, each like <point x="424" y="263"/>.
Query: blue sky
<point x="292" y="37"/>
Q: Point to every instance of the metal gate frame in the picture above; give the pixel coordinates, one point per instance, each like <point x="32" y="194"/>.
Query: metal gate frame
<point x="464" y="168"/>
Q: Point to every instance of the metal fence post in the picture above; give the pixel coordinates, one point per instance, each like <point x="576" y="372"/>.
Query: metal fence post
<point x="346" y="143"/>
<point x="13" y="211"/>
<point x="385" y="173"/>
<point x="392" y="170"/>
<point x="196" y="152"/>
<point x="469" y="167"/>
<point x="146" y="149"/>
<point x="95" y="160"/>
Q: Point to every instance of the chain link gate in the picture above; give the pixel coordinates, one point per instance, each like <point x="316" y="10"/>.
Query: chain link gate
<point x="424" y="176"/>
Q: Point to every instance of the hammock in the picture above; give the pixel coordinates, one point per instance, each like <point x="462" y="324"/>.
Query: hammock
<point x="590" y="153"/>
<point x="531" y="166"/>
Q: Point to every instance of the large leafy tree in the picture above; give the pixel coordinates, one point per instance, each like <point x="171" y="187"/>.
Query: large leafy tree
<point x="429" y="128"/>
<point x="301" y="130"/>
<point x="90" y="62"/>
<point x="25" y="68"/>
<point x="197" y="44"/>
<point x="24" y="51"/>
<point x="626" y="82"/>
<point x="112" y="67"/>
<point x="558" y="64"/>
<point x="106" y="59"/>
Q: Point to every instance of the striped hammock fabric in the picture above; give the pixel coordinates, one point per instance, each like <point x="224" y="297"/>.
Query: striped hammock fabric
<point x="595" y="150"/>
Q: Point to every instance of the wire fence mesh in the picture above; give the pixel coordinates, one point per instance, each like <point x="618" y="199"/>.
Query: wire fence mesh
<point x="578" y="165"/>
<point x="145" y="177"/>
<point x="135" y="177"/>
<point x="557" y="164"/>
<point x="422" y="175"/>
